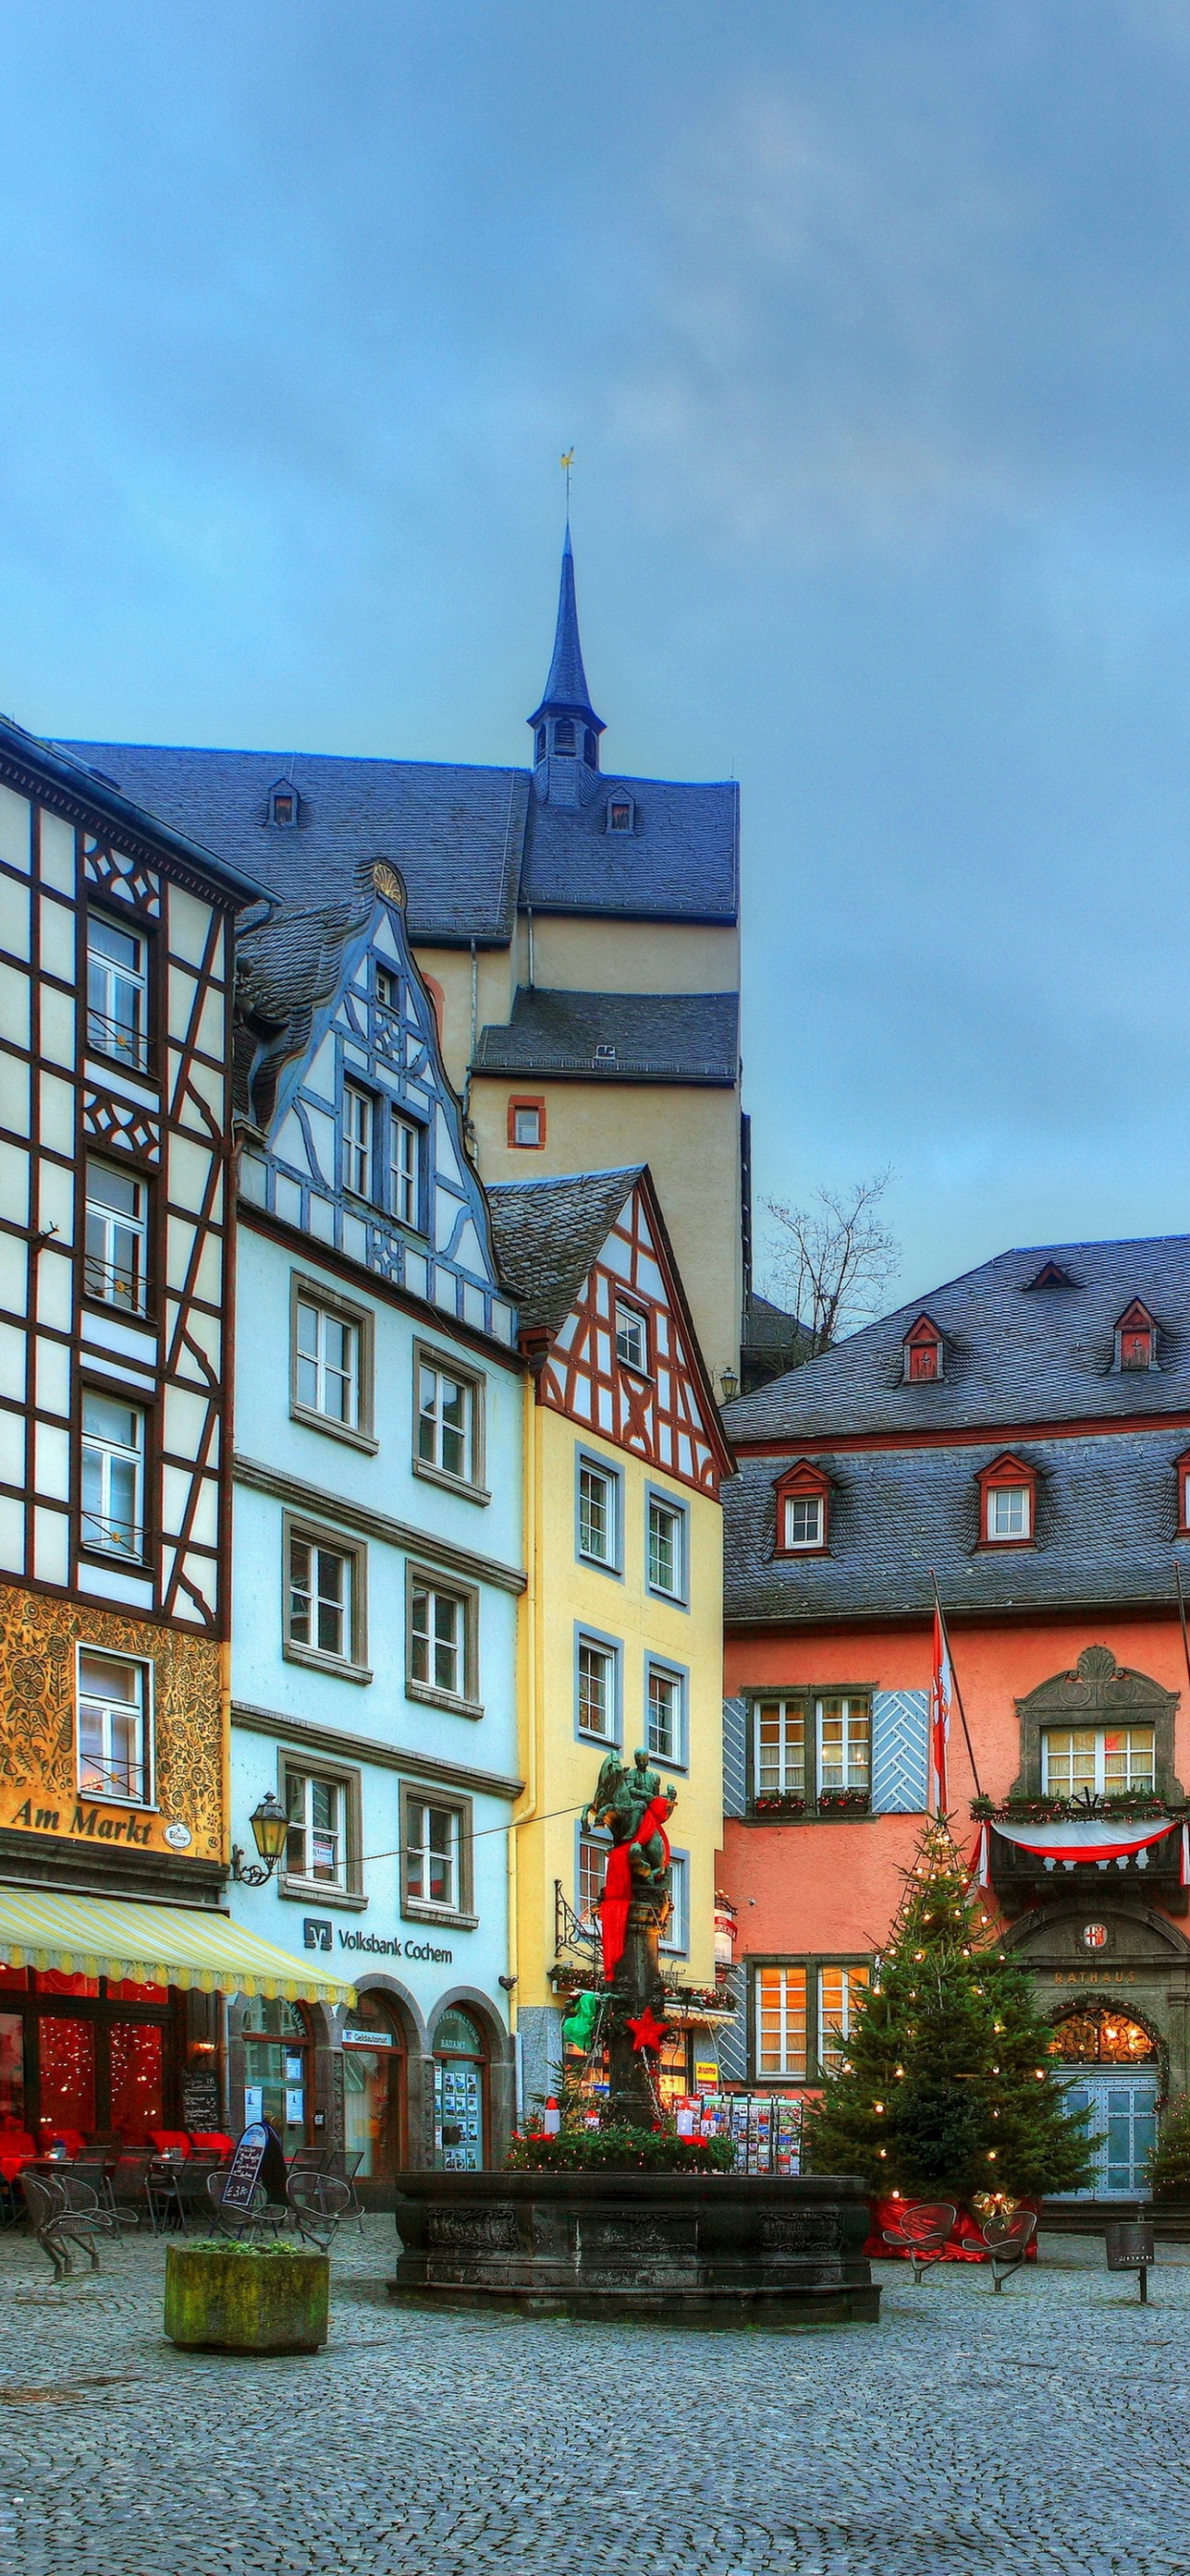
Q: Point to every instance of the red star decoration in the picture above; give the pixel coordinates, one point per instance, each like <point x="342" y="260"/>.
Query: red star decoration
<point x="647" y="2031"/>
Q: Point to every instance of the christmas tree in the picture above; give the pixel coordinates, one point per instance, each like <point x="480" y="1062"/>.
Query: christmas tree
<point x="947" y="2087"/>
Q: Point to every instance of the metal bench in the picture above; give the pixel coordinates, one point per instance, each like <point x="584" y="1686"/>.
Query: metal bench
<point x="64" y="2213"/>
<point x="924" y="2233"/>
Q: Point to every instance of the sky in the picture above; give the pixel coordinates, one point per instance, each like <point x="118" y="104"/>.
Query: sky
<point x="870" y="328"/>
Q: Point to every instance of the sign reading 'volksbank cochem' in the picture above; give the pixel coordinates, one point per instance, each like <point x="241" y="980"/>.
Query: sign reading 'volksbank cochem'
<point x="318" y="1933"/>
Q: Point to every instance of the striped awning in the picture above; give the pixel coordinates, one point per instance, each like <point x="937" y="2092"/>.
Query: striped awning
<point x="154" y="1945"/>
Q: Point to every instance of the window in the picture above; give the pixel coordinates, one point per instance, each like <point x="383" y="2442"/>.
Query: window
<point x="404" y="1171"/>
<point x="667" y="1549"/>
<point x="1007" y="1494"/>
<point x="442" y="1656"/>
<point x="632" y="1341"/>
<point x="327" y="1362"/>
<point x="597" y="1692"/>
<point x="449" y="1421"/>
<point x="113" y="1475"/>
<point x="664" y="1713"/>
<point x="1107" y="1760"/>
<point x="283" y="804"/>
<point x="316" y="1844"/>
<point x="322" y="1616"/>
<point x="388" y="990"/>
<point x="1136" y="1338"/>
<point x="841" y="1992"/>
<point x="676" y="1935"/>
<point x="844" y="1729"/>
<point x="433" y="1853"/>
<point x="541" y="742"/>
<point x="619" y="814"/>
<point x="113" y="1728"/>
<point x="564" y="737"/>
<point x="592" y="1862"/>
<point x="115" y="1264"/>
<point x="923" y="1351"/>
<point x="598" y="1514"/>
<point x="117" y="993"/>
<point x="526" y="1124"/>
<point x="780" y="1748"/>
<point x="802" y="1511"/>
<point x="781" y="2022"/>
<point x="591" y="748"/>
<point x="358" y="1120"/>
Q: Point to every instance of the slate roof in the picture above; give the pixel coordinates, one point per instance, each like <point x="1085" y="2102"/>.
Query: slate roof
<point x="470" y="842"/>
<point x="548" y="1233"/>
<point x="687" y="1037"/>
<point x="566" y="690"/>
<point x="118" y="809"/>
<point x="1013" y="1353"/>
<point x="1105" y="1535"/>
<point x="284" y="969"/>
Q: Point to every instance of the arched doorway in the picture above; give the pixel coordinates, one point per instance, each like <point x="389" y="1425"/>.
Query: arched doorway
<point x="460" y="2094"/>
<point x="1114" y="2063"/>
<point x="375" y="2089"/>
<point x="277" y="2068"/>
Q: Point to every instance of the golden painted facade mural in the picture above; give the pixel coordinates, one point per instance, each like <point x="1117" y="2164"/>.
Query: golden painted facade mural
<point x="39" y="1767"/>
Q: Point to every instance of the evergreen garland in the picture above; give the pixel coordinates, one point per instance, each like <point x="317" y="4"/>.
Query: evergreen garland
<point x="947" y="2087"/>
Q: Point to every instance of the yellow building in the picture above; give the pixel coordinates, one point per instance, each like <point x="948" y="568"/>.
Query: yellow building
<point x="622" y="1637"/>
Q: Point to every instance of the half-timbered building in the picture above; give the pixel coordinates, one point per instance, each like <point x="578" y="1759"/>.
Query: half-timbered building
<point x="114" y="1499"/>
<point x="377" y="1551"/>
<point x="624" y="1463"/>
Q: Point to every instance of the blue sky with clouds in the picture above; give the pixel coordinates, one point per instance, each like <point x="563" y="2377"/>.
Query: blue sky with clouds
<point x="871" y="327"/>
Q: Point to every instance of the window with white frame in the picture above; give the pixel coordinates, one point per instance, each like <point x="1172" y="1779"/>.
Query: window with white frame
<point x="598" y="1513"/>
<point x="780" y="2003"/>
<point x="439" y="1645"/>
<point x="359" y="1120"/>
<point x="841" y="1992"/>
<point x="592" y="1865"/>
<point x="780" y="1755"/>
<point x="388" y="990"/>
<point x="596" y="1688"/>
<point x="113" y="1722"/>
<point x="404" y="1170"/>
<point x="844" y="1731"/>
<point x="328" y="1362"/>
<point x="666" y="1549"/>
<point x="664" y="1713"/>
<point x="803" y="1520"/>
<point x="322" y="1608"/>
<point x="1008" y="1512"/>
<point x="1107" y="1760"/>
<point x="446" y="1421"/>
<point x="117" y="993"/>
<point x="432" y="1838"/>
<point x="676" y="1934"/>
<point x="115" y="1262"/>
<point x="113" y="1475"/>
<point x="316" y="1844"/>
<point x="525" y="1122"/>
<point x="632" y="1338"/>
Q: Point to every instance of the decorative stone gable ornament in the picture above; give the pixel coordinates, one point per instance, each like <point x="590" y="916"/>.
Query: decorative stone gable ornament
<point x="388" y="883"/>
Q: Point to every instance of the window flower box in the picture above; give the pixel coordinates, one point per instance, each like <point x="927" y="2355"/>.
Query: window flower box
<point x="779" y="1802"/>
<point x="843" y="1802"/>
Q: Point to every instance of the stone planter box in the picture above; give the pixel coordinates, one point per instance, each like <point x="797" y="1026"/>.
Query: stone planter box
<point x="683" y="2249"/>
<point x="219" y="2300"/>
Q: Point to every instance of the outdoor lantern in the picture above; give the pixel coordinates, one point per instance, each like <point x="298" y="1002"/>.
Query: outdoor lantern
<point x="270" y="1825"/>
<point x="730" y="1385"/>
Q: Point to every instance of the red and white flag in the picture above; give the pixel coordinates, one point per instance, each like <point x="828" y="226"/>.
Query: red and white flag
<point x="941" y="1695"/>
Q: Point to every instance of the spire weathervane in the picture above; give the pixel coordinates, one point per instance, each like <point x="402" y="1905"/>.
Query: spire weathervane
<point x="566" y="463"/>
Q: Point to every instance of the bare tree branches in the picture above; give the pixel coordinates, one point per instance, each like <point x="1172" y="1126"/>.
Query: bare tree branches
<point x="833" y="1260"/>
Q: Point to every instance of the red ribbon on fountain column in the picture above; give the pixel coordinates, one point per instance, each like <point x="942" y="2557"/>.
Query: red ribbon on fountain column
<point x="617" y="1884"/>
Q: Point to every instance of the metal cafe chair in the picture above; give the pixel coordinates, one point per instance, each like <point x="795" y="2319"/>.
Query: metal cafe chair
<point x="64" y="2213"/>
<point x="1008" y="2240"/>
<point x="318" y="2202"/>
<point x="924" y="2233"/>
<point x="234" y="2221"/>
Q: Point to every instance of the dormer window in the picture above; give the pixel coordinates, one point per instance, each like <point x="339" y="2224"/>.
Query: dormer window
<point x="923" y="1352"/>
<point x="803" y="1499"/>
<point x="283" y="804"/>
<point x="605" y="1055"/>
<point x="564" y="737"/>
<point x="620" y="814"/>
<point x="1008" y="1503"/>
<point x="1182" y="1472"/>
<point x="1136" y="1338"/>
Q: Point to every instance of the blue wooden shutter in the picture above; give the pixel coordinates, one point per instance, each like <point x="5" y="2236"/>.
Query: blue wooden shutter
<point x="735" y="1757"/>
<point x="900" y="1738"/>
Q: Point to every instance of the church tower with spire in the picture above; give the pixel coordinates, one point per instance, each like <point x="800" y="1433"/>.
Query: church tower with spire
<point x="565" y="727"/>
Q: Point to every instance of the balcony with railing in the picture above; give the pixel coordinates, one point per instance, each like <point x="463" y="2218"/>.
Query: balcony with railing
<point x="1050" y="1849"/>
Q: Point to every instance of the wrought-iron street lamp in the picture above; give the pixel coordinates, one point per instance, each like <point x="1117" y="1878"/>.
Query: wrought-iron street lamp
<point x="270" y="1825"/>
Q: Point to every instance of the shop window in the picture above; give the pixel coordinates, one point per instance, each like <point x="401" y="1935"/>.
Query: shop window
<point x="665" y="1713"/>
<point x="1107" y="1761"/>
<point x="359" y="1122"/>
<point x="405" y="1153"/>
<point x="330" y="1382"/>
<point x="113" y="1720"/>
<point x="632" y="1339"/>
<point x="923" y="1349"/>
<point x="137" y="2077"/>
<point x="115" y="1266"/>
<point x="526" y="1124"/>
<point x="324" y="1617"/>
<point x="803" y="1515"/>
<point x="780" y="2008"/>
<point x="1135" y="1338"/>
<point x="277" y="2068"/>
<point x="841" y="1994"/>
<point x="598" y="1514"/>
<point x="1007" y="1503"/>
<point x="598" y="1688"/>
<point x="450" y="1421"/>
<point x="113" y="1476"/>
<point x="12" y="2072"/>
<point x="667" y="1531"/>
<point x="460" y="2095"/>
<point x="66" y="2072"/>
<point x="117" y="993"/>
<point x="443" y="1655"/>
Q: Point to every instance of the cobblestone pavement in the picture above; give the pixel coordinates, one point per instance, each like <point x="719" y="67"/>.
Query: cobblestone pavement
<point x="1045" y="2429"/>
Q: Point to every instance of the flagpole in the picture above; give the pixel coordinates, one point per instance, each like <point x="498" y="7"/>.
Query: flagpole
<point x="957" y="1692"/>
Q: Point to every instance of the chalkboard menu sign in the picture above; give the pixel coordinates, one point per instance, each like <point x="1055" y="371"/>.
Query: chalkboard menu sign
<point x="243" y="2173"/>
<point x="200" y="2102"/>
